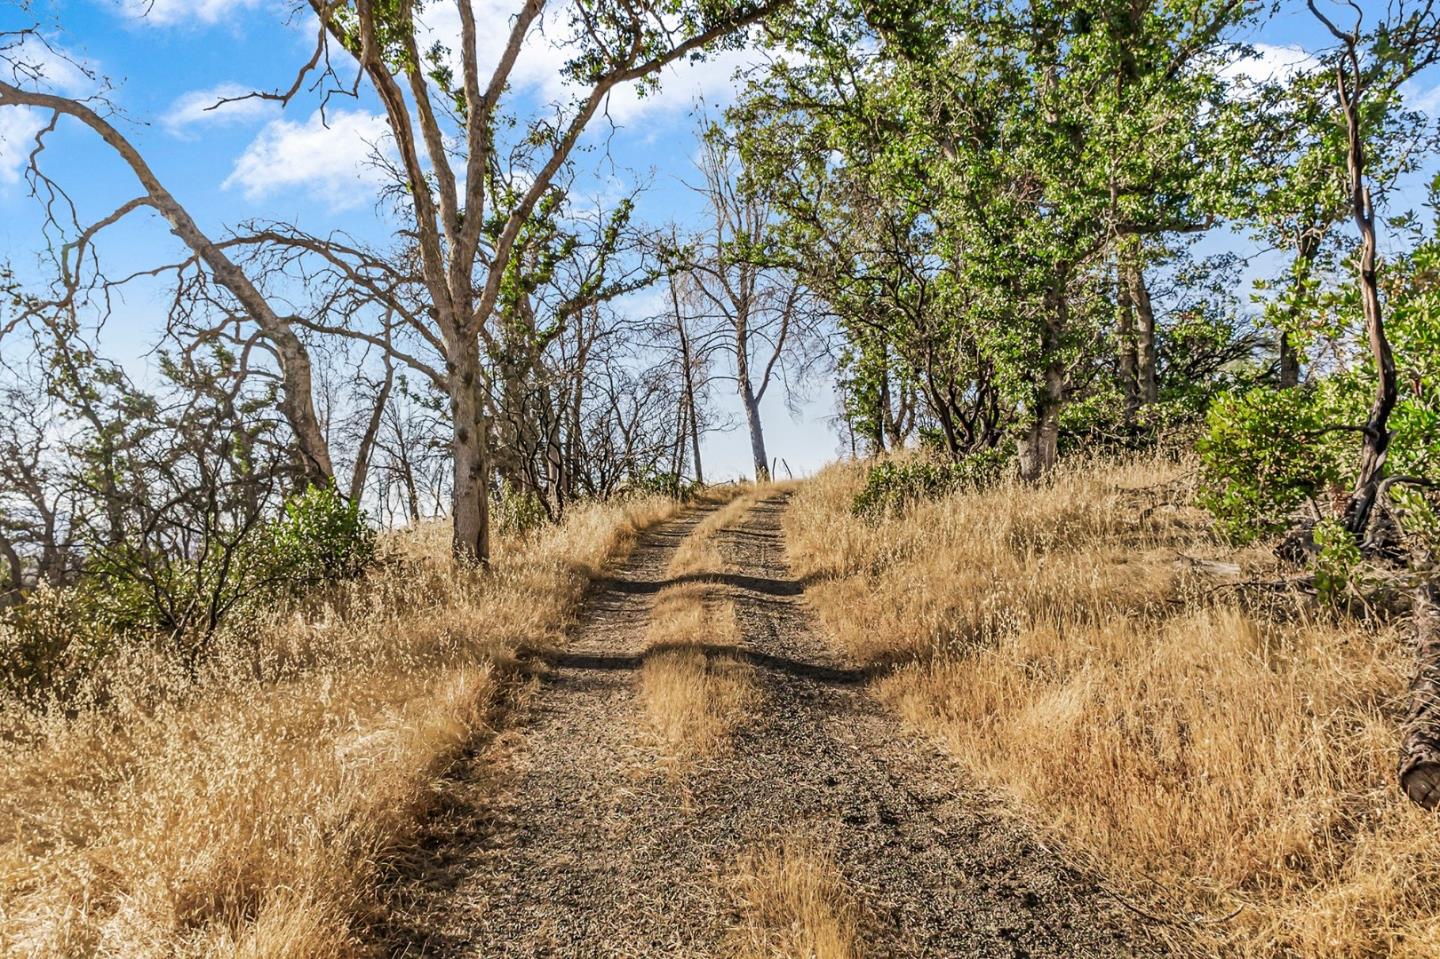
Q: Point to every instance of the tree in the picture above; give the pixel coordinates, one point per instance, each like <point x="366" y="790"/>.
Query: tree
<point x="768" y="320"/>
<point x="463" y="221"/>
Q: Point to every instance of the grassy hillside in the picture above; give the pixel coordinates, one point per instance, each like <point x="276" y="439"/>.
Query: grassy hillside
<point x="1069" y="643"/>
<point x="246" y="806"/>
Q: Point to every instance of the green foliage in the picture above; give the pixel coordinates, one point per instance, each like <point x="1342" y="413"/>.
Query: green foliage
<point x="661" y="483"/>
<point x="1337" y="562"/>
<point x="517" y="511"/>
<point x="1264" y="454"/>
<point x="322" y="536"/>
<point x="892" y="487"/>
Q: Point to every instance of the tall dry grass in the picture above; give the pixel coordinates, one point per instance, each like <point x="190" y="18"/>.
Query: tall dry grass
<point x="1217" y="751"/>
<point x="250" y="807"/>
<point x="793" y="904"/>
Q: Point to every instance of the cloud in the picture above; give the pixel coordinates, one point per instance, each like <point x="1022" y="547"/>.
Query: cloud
<point x="1270" y="62"/>
<point x="199" y="107"/>
<point x="18" y="126"/>
<point x="538" y="69"/>
<point x="35" y="64"/>
<point x="330" y="156"/>
<point x="166" y="13"/>
<point x="1417" y="97"/>
<point x="682" y="85"/>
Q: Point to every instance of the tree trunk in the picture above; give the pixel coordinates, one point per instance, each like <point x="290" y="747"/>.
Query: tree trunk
<point x="1289" y="363"/>
<point x="470" y="504"/>
<point x="372" y="432"/>
<point x="688" y="366"/>
<point x="14" y="580"/>
<point x="1125" y="334"/>
<point x="1304" y="264"/>
<point x="757" y="434"/>
<point x="1377" y="431"/>
<point x="1420" y="743"/>
<point x="748" y="400"/>
<point x="1038" y="448"/>
<point x="1147" y="381"/>
<point x="695" y="442"/>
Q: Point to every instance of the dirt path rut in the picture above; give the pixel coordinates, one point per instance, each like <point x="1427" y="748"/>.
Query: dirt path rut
<point x="565" y="838"/>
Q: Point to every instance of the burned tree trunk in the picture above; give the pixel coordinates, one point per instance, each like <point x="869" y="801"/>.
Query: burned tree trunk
<point x="1420" y="744"/>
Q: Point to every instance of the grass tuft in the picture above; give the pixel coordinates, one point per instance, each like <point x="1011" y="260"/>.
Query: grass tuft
<point x="793" y="904"/>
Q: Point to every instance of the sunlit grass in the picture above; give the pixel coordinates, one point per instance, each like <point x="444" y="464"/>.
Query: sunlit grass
<point x="1053" y="639"/>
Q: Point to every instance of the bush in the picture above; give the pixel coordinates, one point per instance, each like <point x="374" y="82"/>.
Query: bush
<point x="892" y="487"/>
<point x="517" y="511"/>
<point x="321" y="537"/>
<point x="1265" y="454"/>
<point x="660" y="484"/>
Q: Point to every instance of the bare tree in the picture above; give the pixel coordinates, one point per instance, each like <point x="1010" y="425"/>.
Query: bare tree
<point x="766" y="314"/>
<point x="464" y="224"/>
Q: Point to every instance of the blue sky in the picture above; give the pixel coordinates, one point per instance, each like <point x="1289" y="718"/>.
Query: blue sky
<point x="253" y="160"/>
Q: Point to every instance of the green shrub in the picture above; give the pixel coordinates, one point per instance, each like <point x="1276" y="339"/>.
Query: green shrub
<point x="1337" y="561"/>
<point x="49" y="643"/>
<point x="893" y="487"/>
<point x="517" y="511"/>
<point x="1265" y="453"/>
<point x="320" y="537"/>
<point x="660" y="483"/>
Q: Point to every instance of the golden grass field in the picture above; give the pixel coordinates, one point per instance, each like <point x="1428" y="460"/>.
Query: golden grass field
<point x="249" y="809"/>
<point x="1211" y="753"/>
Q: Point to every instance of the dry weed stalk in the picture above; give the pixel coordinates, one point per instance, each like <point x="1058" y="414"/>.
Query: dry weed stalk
<point x="793" y="904"/>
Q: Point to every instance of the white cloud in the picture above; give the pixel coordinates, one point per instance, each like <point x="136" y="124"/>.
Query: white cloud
<point x="330" y="156"/>
<point x="682" y="86"/>
<point x="199" y="107"/>
<point x="170" y="12"/>
<point x="546" y="50"/>
<point x="33" y="64"/>
<point x="1417" y="97"/>
<point x="1270" y="62"/>
<point x="18" y="126"/>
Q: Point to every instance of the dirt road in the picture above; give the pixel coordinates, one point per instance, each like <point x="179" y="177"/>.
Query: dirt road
<point x="565" y="838"/>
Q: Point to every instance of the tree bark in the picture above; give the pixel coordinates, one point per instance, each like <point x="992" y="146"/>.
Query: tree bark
<point x="372" y="432"/>
<point x="1146" y="379"/>
<point x="749" y="400"/>
<point x="14" y="580"/>
<point x="1419" y="770"/>
<point x="1125" y="334"/>
<point x="687" y="366"/>
<point x="1038" y="448"/>
<point x="470" y="504"/>
<point x="757" y="434"/>
<point x="1377" y="431"/>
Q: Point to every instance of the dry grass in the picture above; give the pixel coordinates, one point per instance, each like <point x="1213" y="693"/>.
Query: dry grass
<point x="694" y="692"/>
<point x="250" y="810"/>
<point x="1236" y="756"/>
<point x="793" y="904"/>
